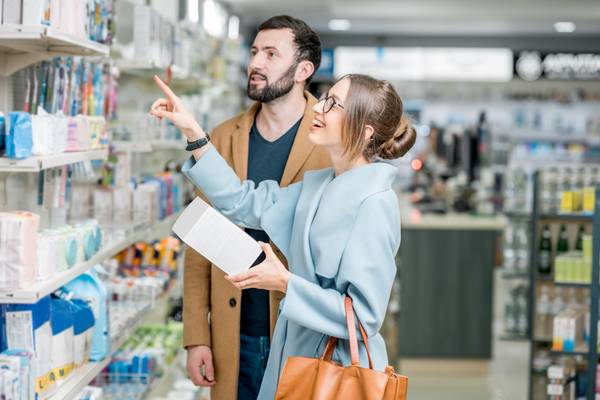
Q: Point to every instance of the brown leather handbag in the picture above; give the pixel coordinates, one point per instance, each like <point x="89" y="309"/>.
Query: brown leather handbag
<point x="306" y="378"/>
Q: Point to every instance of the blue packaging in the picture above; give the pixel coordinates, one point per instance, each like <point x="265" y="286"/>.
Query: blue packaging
<point x="25" y="321"/>
<point x="61" y="321"/>
<point x="19" y="141"/>
<point x="83" y="328"/>
<point x="2" y="134"/>
<point x="91" y="289"/>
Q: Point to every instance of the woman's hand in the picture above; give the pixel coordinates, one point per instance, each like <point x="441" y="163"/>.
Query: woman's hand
<point x="172" y="108"/>
<point x="269" y="274"/>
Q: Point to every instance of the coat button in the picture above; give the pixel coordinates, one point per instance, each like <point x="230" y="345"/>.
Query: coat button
<point x="232" y="302"/>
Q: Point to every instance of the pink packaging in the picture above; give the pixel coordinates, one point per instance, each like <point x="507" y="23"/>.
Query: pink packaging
<point x="18" y="249"/>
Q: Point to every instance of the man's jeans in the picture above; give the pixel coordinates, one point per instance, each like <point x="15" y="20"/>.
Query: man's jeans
<point x="254" y="353"/>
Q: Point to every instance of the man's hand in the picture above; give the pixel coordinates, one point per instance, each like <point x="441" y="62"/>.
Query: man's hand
<point x="200" y="365"/>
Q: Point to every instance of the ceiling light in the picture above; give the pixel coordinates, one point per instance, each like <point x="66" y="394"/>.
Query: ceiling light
<point x="339" y="24"/>
<point x="565" y="27"/>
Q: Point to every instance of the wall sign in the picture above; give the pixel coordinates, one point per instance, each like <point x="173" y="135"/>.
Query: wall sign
<point x="533" y="65"/>
<point x="439" y="64"/>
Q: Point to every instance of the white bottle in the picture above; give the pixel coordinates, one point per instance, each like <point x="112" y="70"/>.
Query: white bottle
<point x="543" y="312"/>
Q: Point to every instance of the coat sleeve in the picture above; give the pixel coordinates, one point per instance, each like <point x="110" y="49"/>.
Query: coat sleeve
<point x="367" y="269"/>
<point x="242" y="202"/>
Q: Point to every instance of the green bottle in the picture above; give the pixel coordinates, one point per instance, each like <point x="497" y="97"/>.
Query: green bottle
<point x="579" y="241"/>
<point x="563" y="241"/>
<point x="545" y="252"/>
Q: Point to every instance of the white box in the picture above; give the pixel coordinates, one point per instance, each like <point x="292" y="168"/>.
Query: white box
<point x="217" y="238"/>
<point x="12" y="12"/>
<point x="33" y="12"/>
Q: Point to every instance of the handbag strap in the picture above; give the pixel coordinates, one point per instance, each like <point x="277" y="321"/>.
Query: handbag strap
<point x="350" y="323"/>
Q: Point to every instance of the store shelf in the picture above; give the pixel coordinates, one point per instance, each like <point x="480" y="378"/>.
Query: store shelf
<point x="81" y="377"/>
<point x="513" y="337"/>
<point x="131" y="147"/>
<point x="531" y="135"/>
<point x="572" y="284"/>
<point x="39" y="163"/>
<point x="22" y="45"/>
<point x="582" y="352"/>
<point x="510" y="274"/>
<point x="38" y="290"/>
<point x="168" y="145"/>
<point x="567" y="217"/>
<point x="517" y="215"/>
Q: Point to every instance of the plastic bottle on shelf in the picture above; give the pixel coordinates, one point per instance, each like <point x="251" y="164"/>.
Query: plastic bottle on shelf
<point x="545" y="252"/>
<point x="548" y="191"/>
<point x="558" y="303"/>
<point x="521" y="310"/>
<point x="543" y="313"/>
<point x="509" y="247"/>
<point x="522" y="249"/>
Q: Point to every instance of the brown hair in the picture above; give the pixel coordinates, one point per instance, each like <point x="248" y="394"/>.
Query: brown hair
<point x="307" y="41"/>
<point x="375" y="102"/>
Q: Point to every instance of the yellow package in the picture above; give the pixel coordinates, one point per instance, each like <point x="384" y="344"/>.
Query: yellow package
<point x="589" y="198"/>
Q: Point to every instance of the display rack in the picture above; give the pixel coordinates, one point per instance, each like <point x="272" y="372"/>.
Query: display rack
<point x="36" y="291"/>
<point x="81" y="377"/>
<point x="39" y="163"/>
<point x="23" y="45"/>
<point x="589" y="352"/>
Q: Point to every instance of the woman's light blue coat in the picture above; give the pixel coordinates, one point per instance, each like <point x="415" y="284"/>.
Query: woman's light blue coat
<point x="339" y="234"/>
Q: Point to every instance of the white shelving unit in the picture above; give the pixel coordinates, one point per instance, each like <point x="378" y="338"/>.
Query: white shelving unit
<point x="32" y="294"/>
<point x="23" y="45"/>
<point x="81" y="377"/>
<point x="39" y="163"/>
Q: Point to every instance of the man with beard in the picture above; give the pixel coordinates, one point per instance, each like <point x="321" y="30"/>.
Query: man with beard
<point x="227" y="332"/>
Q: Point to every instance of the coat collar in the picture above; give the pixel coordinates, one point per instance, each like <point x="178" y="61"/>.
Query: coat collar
<point x="301" y="147"/>
<point x="332" y="210"/>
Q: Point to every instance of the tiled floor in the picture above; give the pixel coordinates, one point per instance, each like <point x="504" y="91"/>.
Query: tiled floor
<point x="504" y="377"/>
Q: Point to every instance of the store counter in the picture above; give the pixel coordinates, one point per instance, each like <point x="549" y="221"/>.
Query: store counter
<point x="445" y="274"/>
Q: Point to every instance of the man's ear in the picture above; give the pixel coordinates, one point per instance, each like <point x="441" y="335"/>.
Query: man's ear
<point x="304" y="70"/>
<point x="368" y="132"/>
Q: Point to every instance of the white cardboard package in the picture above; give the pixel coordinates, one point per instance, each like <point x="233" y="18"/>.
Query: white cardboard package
<point x="217" y="238"/>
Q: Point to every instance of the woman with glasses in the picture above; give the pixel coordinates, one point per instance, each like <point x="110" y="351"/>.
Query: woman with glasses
<point x="339" y="228"/>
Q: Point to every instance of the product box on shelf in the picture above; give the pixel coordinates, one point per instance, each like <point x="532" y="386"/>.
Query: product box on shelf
<point x="83" y="330"/>
<point x="19" y="139"/>
<point x="24" y="363"/>
<point x="18" y="243"/>
<point x="27" y="328"/>
<point x="146" y="201"/>
<point x="2" y="134"/>
<point x="91" y="289"/>
<point x="61" y="321"/>
<point x="568" y="330"/>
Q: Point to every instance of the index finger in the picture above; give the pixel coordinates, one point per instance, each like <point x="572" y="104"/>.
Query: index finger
<point x="166" y="90"/>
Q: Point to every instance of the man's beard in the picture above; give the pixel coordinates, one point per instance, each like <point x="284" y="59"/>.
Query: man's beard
<point x="273" y="91"/>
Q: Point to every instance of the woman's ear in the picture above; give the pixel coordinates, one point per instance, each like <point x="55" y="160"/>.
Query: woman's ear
<point x="304" y="71"/>
<point x="368" y="132"/>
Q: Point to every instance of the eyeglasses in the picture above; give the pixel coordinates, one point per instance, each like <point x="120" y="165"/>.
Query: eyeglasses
<point x="329" y="102"/>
